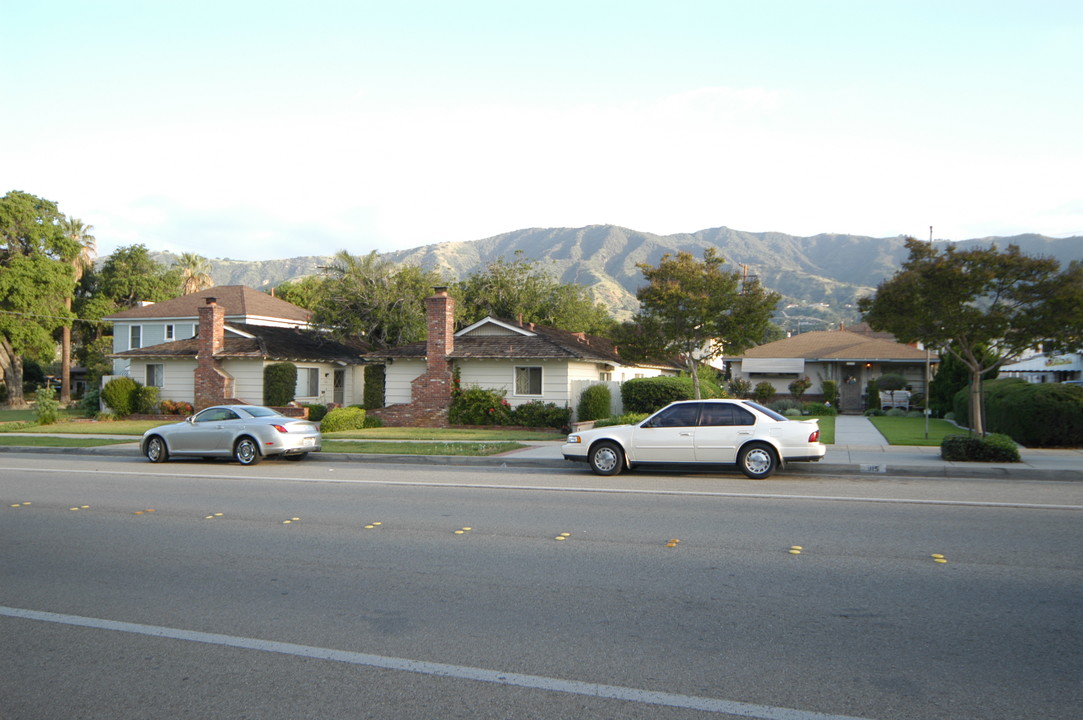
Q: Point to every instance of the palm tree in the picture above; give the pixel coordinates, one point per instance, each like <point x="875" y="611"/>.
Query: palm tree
<point x="196" y="271"/>
<point x="82" y="261"/>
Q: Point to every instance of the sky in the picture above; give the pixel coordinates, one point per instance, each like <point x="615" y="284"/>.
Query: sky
<point x="262" y="130"/>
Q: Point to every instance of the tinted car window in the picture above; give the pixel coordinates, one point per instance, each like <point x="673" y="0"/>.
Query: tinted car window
<point x="676" y="416"/>
<point x="715" y="414"/>
<point x="259" y="411"/>
<point x="216" y="415"/>
<point x="766" y="411"/>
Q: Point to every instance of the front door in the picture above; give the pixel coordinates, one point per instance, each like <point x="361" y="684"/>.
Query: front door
<point x="339" y="394"/>
<point x="850" y="396"/>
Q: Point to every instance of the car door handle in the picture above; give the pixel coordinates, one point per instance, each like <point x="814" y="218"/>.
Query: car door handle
<point x="685" y="434"/>
<point x="744" y="432"/>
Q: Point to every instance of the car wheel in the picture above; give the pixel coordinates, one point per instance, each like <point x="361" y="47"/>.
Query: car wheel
<point x="298" y="456"/>
<point x="606" y="458"/>
<point x="757" y="461"/>
<point x="156" y="450"/>
<point x="246" y="451"/>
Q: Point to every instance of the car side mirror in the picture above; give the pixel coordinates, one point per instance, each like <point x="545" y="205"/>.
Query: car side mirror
<point x="191" y="419"/>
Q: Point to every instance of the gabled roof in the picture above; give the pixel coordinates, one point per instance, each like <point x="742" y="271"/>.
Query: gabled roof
<point x="512" y="341"/>
<point x="835" y="345"/>
<point x="261" y="342"/>
<point x="239" y="301"/>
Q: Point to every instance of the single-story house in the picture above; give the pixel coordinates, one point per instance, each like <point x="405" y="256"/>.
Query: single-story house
<point x="225" y="361"/>
<point x="1046" y="368"/>
<point x="178" y="319"/>
<point x="526" y="361"/>
<point x="849" y="357"/>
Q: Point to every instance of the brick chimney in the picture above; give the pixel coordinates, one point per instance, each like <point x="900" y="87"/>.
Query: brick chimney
<point x="212" y="384"/>
<point x="440" y="313"/>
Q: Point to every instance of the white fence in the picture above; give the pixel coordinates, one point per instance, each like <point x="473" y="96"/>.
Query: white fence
<point x="616" y="407"/>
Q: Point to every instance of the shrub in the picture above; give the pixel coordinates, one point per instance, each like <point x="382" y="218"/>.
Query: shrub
<point x="646" y="395"/>
<point x="144" y="399"/>
<point x="763" y="392"/>
<point x="821" y="409"/>
<point x="739" y="387"/>
<point x="46" y="406"/>
<point x="279" y="384"/>
<point x="316" y="412"/>
<point x="830" y="390"/>
<point x="896" y="412"/>
<point x="375" y="382"/>
<point x="873" y="390"/>
<point x="478" y="406"/>
<point x="90" y="404"/>
<point x="625" y="419"/>
<point x="117" y="395"/>
<point x="176" y="407"/>
<point x="542" y="414"/>
<point x="594" y="403"/>
<point x="371" y="421"/>
<point x="891" y="381"/>
<point x="799" y="386"/>
<point x="343" y="418"/>
<point x="991" y="448"/>
<point x="1033" y="414"/>
<point x="781" y="406"/>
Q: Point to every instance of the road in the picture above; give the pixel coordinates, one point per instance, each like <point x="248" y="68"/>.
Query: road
<point x="335" y="590"/>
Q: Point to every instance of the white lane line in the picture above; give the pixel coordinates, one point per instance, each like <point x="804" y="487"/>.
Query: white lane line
<point x="537" y="682"/>
<point x="559" y="488"/>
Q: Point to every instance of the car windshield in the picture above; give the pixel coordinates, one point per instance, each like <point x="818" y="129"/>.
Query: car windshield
<point x="766" y="410"/>
<point x="257" y="411"/>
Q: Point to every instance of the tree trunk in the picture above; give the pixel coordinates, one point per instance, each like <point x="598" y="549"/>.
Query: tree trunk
<point x="65" y="363"/>
<point x="977" y="421"/>
<point x="13" y="375"/>
<point x="694" y="372"/>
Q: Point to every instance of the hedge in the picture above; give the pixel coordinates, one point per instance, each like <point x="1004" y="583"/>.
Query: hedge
<point x="1033" y="414"/>
<point x="991" y="448"/>
<point x="594" y="403"/>
<point x="646" y="395"/>
<point x="279" y="384"/>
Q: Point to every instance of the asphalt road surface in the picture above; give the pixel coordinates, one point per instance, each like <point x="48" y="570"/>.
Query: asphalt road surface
<point x="352" y="590"/>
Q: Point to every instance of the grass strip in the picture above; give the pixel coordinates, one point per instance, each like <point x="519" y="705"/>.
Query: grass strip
<point x="471" y="449"/>
<point x="911" y="431"/>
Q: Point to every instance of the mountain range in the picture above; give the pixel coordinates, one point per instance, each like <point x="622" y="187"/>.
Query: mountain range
<point x="820" y="277"/>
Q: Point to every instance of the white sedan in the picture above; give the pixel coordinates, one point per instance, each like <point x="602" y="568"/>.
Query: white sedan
<point x="756" y="439"/>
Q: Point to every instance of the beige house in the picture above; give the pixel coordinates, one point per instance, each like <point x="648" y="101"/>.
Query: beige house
<point x="849" y="357"/>
<point x="527" y="362"/>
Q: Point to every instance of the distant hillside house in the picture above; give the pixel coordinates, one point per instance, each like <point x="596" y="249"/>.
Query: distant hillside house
<point x="526" y="361"/>
<point x="218" y="361"/>
<point x="849" y="358"/>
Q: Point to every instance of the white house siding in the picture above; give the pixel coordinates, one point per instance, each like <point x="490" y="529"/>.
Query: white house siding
<point x="397" y="378"/>
<point x="247" y="379"/>
<point x="500" y="375"/>
<point x="152" y="333"/>
<point x="178" y="381"/>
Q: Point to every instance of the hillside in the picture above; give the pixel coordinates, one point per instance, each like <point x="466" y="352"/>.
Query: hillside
<point x="819" y="277"/>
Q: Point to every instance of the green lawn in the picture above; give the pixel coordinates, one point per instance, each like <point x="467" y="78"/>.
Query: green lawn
<point x="911" y="431"/>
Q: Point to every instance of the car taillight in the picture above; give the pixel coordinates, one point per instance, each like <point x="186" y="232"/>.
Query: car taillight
<point x="280" y="428"/>
<point x="814" y="437"/>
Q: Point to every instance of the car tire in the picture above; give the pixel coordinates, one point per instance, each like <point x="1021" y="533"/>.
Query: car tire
<point x="606" y="458"/>
<point x="298" y="456"/>
<point x="246" y="451"/>
<point x="157" y="452"/>
<point x="757" y="461"/>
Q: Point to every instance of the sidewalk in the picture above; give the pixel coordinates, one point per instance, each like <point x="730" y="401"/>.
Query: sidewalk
<point x="859" y="449"/>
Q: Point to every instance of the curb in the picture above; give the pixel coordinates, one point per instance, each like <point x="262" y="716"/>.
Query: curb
<point x="879" y="470"/>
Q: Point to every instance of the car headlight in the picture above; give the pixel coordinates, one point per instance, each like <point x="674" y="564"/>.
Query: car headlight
<point x="574" y="439"/>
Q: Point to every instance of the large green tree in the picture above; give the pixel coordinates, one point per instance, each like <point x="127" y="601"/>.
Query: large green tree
<point x="520" y="288"/>
<point x="981" y="305"/>
<point x="696" y="309"/>
<point x="35" y="280"/>
<point x="372" y="298"/>
<point x="130" y="275"/>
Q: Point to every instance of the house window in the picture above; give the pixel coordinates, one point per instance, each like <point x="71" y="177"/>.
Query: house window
<point x="308" y="382"/>
<point x="155" y="375"/>
<point x="528" y="381"/>
<point x="170" y="333"/>
<point x="605" y="377"/>
<point x="135" y="337"/>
